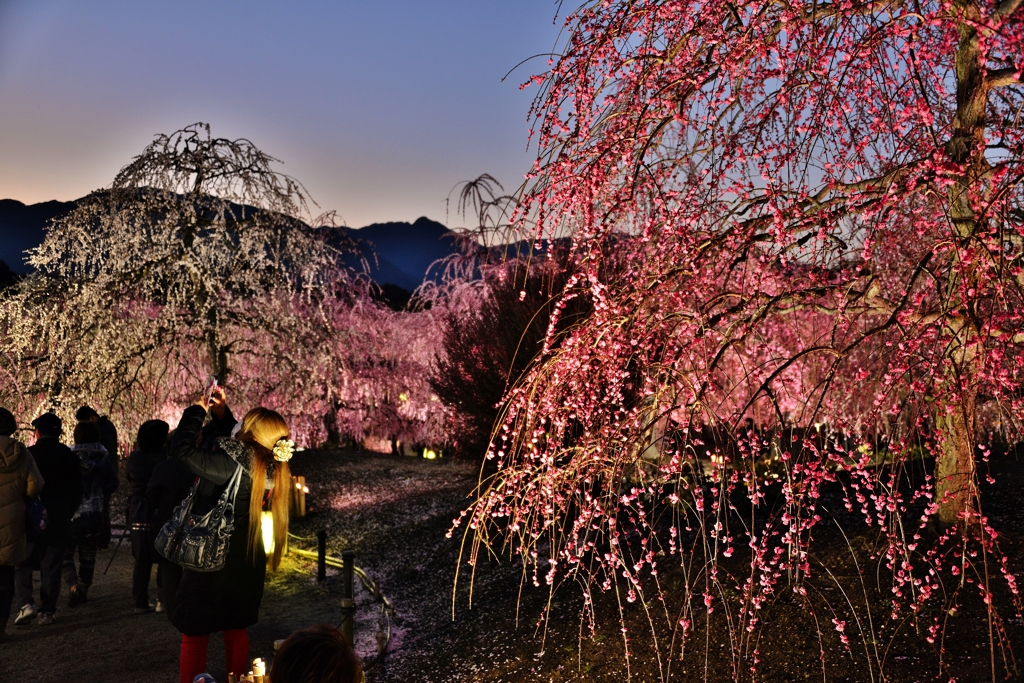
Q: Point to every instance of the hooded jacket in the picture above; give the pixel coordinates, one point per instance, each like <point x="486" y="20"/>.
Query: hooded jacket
<point x="99" y="478"/>
<point x="19" y="477"/>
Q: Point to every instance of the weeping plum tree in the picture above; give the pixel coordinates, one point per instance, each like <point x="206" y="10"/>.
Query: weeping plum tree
<point x="374" y="372"/>
<point x="820" y="213"/>
<point x="495" y="297"/>
<point x="198" y="253"/>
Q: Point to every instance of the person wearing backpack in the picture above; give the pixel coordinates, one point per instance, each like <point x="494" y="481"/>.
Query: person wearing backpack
<point x="108" y="437"/>
<point x="19" y="479"/>
<point x="61" y="495"/>
<point x="149" y="452"/>
<point x="228" y="599"/>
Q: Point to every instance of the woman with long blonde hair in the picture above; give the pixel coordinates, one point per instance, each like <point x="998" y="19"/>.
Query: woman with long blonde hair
<point x="228" y="600"/>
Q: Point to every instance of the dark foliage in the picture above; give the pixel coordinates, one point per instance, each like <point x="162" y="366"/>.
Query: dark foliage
<point x="394" y="297"/>
<point x="486" y="354"/>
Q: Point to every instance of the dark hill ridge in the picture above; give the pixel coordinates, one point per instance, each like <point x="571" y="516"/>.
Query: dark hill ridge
<point x="404" y="251"/>
<point x="21" y="228"/>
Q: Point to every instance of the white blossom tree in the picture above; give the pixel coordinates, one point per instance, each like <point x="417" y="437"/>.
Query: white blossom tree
<point x="196" y="255"/>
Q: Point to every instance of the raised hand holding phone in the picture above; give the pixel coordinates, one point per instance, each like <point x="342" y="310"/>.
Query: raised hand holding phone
<point x="218" y="401"/>
<point x="208" y="394"/>
<point x="214" y="398"/>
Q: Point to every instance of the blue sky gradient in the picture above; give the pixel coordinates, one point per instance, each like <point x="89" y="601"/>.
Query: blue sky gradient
<point x="379" y="107"/>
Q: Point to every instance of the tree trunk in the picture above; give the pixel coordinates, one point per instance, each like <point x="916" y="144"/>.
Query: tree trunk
<point x="954" y="467"/>
<point x="331" y="424"/>
<point x="955" y="476"/>
<point x="217" y="355"/>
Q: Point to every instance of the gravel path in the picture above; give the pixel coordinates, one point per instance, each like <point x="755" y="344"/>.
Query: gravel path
<point x="103" y="640"/>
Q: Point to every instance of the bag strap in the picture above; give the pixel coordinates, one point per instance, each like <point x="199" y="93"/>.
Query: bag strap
<point x="185" y="506"/>
<point x="227" y="498"/>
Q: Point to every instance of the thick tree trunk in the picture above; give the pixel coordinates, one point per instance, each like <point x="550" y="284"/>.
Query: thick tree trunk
<point x="955" y="476"/>
<point x="331" y="424"/>
<point x="216" y="353"/>
<point x="954" y="467"/>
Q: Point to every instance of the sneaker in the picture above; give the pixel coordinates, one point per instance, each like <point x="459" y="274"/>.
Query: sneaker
<point x="26" y="615"/>
<point x="76" y="596"/>
<point x="160" y="607"/>
<point x="45" y="618"/>
<point x="144" y="610"/>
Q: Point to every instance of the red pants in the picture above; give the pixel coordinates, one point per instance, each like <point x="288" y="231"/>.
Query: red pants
<point x="193" y="654"/>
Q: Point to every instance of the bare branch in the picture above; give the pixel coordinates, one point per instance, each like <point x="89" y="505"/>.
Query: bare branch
<point x="1006" y="8"/>
<point x="1000" y="78"/>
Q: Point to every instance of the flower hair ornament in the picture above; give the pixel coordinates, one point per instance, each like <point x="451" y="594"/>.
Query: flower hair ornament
<point x="283" y="450"/>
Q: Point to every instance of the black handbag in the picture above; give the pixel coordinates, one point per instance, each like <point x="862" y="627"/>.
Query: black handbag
<point x="200" y="542"/>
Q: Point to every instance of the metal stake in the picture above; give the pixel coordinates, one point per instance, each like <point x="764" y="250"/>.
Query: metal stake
<point x="348" y="603"/>
<point x="321" y="556"/>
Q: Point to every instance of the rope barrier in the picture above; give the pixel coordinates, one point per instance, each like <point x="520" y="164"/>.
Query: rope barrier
<point x="371" y="586"/>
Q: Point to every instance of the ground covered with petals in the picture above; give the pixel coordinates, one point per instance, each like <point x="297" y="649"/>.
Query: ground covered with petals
<point x="394" y="512"/>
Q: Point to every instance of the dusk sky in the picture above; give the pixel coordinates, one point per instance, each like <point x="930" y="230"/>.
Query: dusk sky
<point x="379" y="107"/>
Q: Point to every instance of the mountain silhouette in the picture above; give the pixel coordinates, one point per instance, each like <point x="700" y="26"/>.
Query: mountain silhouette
<point x="405" y="250"/>
<point x="397" y="253"/>
<point x="21" y="228"/>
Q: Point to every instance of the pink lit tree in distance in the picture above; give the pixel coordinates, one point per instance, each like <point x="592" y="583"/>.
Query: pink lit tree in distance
<point x="202" y="258"/>
<point x="816" y="217"/>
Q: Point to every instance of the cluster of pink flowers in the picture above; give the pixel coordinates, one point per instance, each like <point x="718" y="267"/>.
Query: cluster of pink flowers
<point x="808" y="216"/>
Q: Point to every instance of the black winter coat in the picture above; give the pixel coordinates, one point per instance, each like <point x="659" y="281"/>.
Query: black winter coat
<point x="108" y="437"/>
<point x="62" y="492"/>
<point x="230" y="598"/>
<point x="140" y="469"/>
<point x="99" y="480"/>
<point x="218" y="428"/>
<point x="168" y="486"/>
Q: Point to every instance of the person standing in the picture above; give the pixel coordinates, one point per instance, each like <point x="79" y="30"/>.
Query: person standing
<point x="99" y="479"/>
<point x="19" y="478"/>
<point x="168" y="486"/>
<point x="108" y="437"/>
<point x="61" y="495"/>
<point x="150" y="450"/>
<point x="228" y="600"/>
<point x="108" y="432"/>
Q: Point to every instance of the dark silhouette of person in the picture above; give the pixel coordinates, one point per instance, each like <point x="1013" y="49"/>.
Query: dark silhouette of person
<point x="61" y="495"/>
<point x="150" y="451"/>
<point x="108" y="437"/>
<point x="316" y="655"/>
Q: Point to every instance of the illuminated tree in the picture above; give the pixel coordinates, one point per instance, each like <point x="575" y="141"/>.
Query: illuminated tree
<point x="197" y="254"/>
<point x="374" y="375"/>
<point x="820" y="216"/>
